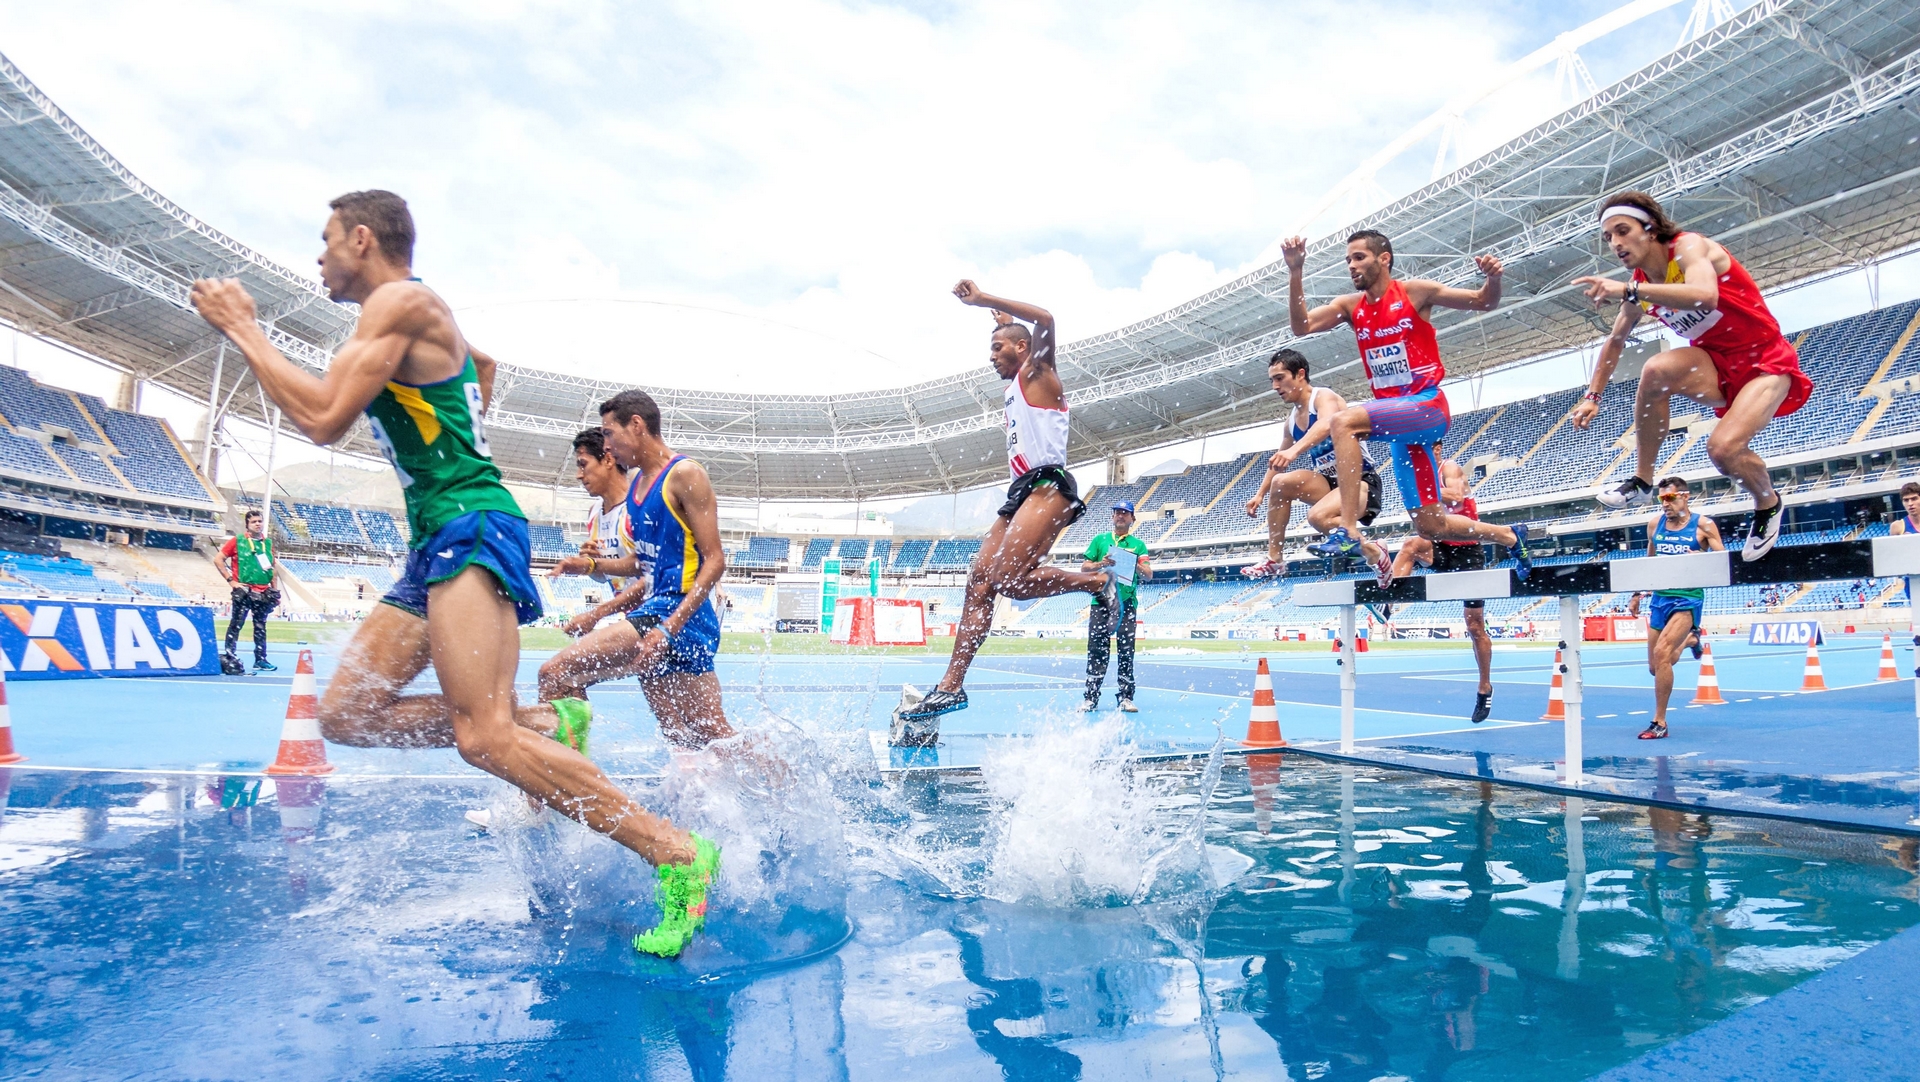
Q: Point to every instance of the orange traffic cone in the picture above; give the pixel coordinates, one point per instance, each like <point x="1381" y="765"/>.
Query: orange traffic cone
<point x="1264" y="773"/>
<point x="1263" y="725"/>
<point x="1556" y="695"/>
<point x="1707" y="693"/>
<point x="301" y="749"/>
<point x="1888" y="671"/>
<point x="1360" y="644"/>
<point x="7" y="754"/>
<point x="1336" y="646"/>
<point x="1812" y="680"/>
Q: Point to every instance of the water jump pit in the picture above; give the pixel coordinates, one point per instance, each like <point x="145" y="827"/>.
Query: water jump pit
<point x="1068" y="907"/>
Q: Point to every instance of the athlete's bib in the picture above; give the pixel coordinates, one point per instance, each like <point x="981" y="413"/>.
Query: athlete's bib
<point x="1389" y="365"/>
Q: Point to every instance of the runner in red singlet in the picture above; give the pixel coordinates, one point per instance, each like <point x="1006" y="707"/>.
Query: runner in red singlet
<point x="1458" y="556"/>
<point x="1738" y="362"/>
<point x="1409" y="411"/>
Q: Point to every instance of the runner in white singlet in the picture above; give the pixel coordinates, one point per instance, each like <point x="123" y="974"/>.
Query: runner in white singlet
<point x="1042" y="501"/>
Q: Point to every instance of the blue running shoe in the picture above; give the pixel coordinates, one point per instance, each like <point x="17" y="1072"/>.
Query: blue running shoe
<point x="1336" y="543"/>
<point x="1518" y="550"/>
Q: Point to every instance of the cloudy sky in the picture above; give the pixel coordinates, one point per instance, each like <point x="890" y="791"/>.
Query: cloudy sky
<point x="779" y="195"/>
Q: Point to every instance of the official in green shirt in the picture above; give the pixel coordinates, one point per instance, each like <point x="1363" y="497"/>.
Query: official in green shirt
<point x="1114" y="621"/>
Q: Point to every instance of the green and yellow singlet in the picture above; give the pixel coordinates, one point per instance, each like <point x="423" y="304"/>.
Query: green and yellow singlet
<point x="434" y="437"/>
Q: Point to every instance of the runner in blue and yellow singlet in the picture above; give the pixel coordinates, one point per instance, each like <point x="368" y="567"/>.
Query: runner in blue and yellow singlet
<point x="466" y="586"/>
<point x="1673" y="621"/>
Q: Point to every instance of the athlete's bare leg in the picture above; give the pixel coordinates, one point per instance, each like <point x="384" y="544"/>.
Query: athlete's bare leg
<point x="605" y="653"/>
<point x="1673" y="639"/>
<point x="1351" y="427"/>
<point x="1476" y="619"/>
<point x="1729" y="445"/>
<point x="1011" y="563"/>
<point x="363" y="706"/>
<point x="689" y="708"/>
<point x="1416" y="550"/>
<point x="1435" y="524"/>
<point x="475" y="642"/>
<point x="1324" y="515"/>
<point x="1279" y="514"/>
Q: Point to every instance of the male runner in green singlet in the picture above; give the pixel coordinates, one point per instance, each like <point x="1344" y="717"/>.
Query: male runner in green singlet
<point x="467" y="583"/>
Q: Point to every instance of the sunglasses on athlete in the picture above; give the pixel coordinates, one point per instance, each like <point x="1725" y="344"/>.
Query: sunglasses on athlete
<point x="1671" y="497"/>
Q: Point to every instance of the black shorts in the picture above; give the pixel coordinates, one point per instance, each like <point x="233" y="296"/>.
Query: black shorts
<point x="1449" y="557"/>
<point x="1372" y="481"/>
<point x="1056" y="476"/>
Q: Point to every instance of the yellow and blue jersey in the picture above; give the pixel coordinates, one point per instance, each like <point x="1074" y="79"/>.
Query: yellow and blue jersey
<point x="663" y="542"/>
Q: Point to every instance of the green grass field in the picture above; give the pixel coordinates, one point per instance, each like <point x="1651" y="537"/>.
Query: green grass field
<point x="546" y="638"/>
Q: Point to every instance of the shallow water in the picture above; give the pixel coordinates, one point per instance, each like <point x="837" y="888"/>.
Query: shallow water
<point x="1060" y="915"/>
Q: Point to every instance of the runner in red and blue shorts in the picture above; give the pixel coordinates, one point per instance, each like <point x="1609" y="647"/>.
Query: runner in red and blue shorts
<point x="1409" y="411"/>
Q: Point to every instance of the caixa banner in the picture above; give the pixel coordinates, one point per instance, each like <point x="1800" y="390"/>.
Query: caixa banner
<point x="65" y="640"/>
<point x="1786" y="633"/>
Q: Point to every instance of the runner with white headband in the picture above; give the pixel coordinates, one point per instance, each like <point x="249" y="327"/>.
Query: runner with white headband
<point x="1738" y="362"/>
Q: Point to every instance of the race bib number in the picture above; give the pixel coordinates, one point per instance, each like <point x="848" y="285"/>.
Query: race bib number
<point x="1388" y="366"/>
<point x="265" y="563"/>
<point x="1688" y="324"/>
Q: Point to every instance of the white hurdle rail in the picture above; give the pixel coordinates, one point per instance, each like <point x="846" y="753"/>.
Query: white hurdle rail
<point x="1881" y="557"/>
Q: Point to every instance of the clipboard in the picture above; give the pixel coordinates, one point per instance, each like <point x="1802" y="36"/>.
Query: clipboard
<point x="1125" y="562"/>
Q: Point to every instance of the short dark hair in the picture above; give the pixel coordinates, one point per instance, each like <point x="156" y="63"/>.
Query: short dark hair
<point x="1663" y="228"/>
<point x="1292" y="360"/>
<point x="384" y="213"/>
<point x="250" y="516"/>
<point x="1377" y="243"/>
<point x="1016" y="331"/>
<point x="1911" y="488"/>
<point x="629" y="404"/>
<point x="593" y="441"/>
<point x="1675" y="481"/>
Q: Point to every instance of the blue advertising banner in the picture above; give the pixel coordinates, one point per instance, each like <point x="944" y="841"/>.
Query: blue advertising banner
<point x="1786" y="633"/>
<point x="67" y="640"/>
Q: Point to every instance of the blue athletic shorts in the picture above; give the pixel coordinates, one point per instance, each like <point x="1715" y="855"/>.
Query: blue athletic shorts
<point x="692" y="650"/>
<point x="1412" y="426"/>
<point x="491" y="539"/>
<point x="1665" y="607"/>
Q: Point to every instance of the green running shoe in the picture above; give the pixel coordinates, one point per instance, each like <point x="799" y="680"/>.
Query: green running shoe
<point x="576" y="718"/>
<point x="681" y="890"/>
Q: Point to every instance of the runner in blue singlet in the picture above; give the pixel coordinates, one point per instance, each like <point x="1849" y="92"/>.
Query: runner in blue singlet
<point x="1314" y="482"/>
<point x="1674" y="619"/>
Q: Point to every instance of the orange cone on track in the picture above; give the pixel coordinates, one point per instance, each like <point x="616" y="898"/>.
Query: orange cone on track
<point x="1359" y="644"/>
<point x="1888" y="671"/>
<point x="1812" y="680"/>
<point x="1707" y="693"/>
<point x="7" y="754"/>
<point x="1264" y="773"/>
<point x="301" y="749"/>
<point x="1263" y="725"/>
<point x="1336" y="646"/>
<point x="1556" y="695"/>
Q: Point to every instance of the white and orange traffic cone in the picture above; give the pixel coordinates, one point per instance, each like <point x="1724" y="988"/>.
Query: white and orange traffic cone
<point x="1812" y="679"/>
<point x="1708" y="691"/>
<point x="7" y="754"/>
<point x="1263" y="725"/>
<point x="302" y="752"/>
<point x="1263" y="772"/>
<point x="1888" y="671"/>
<point x="1556" y="695"/>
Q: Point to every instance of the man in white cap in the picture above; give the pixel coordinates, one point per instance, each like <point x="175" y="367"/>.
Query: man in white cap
<point x="1115" y="621"/>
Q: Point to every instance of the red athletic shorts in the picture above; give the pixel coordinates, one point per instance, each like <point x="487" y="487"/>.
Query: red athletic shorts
<point x="1740" y="367"/>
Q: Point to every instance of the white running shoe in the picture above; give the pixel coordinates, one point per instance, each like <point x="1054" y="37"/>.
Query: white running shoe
<point x="1631" y="492"/>
<point x="1763" y="529"/>
<point x="1127" y="707"/>
<point x="1265" y="569"/>
<point x="480" y="817"/>
<point x="1088" y="706"/>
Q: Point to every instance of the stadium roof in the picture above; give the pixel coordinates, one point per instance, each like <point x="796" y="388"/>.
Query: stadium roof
<point x="1788" y="132"/>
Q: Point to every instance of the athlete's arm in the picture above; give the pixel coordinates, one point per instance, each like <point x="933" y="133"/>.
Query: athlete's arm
<point x="582" y="564"/>
<point x="625" y="601"/>
<point x="1710" y="535"/>
<point x="323" y="408"/>
<point x="1587" y="408"/>
<point x="483" y="367"/>
<point x="690" y="493"/>
<point x="1698" y="290"/>
<point x="1303" y="320"/>
<point x="1655" y="525"/>
<point x="1426" y="293"/>
<point x="229" y="561"/>
<point x="1026" y="313"/>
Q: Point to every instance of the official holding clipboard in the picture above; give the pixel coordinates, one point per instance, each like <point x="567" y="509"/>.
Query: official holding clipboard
<point x="1126" y="555"/>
